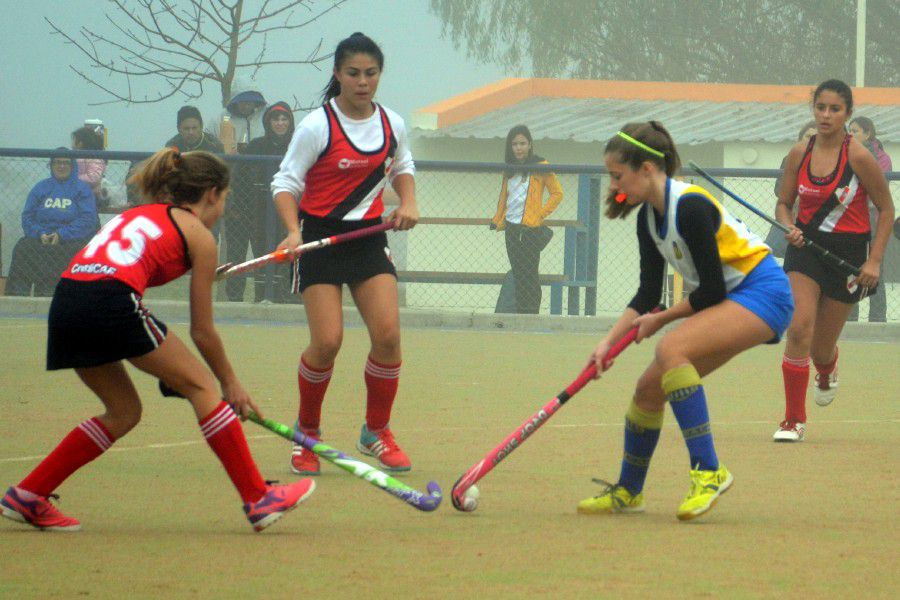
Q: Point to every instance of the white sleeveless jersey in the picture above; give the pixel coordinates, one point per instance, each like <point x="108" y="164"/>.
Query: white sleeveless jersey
<point x="740" y="250"/>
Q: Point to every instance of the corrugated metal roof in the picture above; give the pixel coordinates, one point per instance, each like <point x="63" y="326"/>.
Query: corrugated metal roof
<point x="689" y="122"/>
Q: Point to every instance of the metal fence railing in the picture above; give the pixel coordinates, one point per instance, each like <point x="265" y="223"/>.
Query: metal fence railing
<point x="452" y="261"/>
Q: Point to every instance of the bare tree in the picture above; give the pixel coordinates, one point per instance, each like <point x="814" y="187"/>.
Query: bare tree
<point x="175" y="48"/>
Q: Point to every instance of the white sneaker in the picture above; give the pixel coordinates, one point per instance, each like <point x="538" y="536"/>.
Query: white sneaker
<point x="825" y="391"/>
<point x="790" y="432"/>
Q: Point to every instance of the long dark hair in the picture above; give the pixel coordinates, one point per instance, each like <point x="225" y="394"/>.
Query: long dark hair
<point x="358" y="43"/>
<point x="510" y="158"/>
<point x="652" y="134"/>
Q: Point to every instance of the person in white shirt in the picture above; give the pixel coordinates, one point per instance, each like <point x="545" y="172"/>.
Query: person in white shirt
<point x="331" y="181"/>
<point x="521" y="211"/>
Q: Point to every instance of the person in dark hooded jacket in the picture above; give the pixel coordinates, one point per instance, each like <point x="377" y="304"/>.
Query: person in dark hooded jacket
<point x="59" y="217"/>
<point x="244" y="112"/>
<point x="255" y="222"/>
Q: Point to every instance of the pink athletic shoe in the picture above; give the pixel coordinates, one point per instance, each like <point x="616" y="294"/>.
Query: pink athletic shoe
<point x="277" y="500"/>
<point x="27" y="507"/>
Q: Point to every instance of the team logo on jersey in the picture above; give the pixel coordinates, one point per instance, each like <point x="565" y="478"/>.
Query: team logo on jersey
<point x="351" y="163"/>
<point x="93" y="269"/>
<point x="807" y="191"/>
<point x="677" y="250"/>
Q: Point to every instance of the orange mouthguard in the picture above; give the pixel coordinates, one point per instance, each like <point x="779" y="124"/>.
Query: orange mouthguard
<point x="620" y="197"/>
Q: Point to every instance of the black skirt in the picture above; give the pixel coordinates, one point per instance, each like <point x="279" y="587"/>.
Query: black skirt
<point x="93" y="323"/>
<point x="852" y="247"/>
<point x="350" y="262"/>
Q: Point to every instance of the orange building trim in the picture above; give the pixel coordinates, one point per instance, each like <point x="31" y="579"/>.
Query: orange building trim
<point x="507" y="92"/>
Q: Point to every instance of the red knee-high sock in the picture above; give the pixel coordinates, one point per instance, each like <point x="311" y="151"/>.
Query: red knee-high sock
<point x="796" y="380"/>
<point x="381" y="388"/>
<point x="827" y="368"/>
<point x="83" y="444"/>
<point x="313" y="383"/>
<point x="224" y="434"/>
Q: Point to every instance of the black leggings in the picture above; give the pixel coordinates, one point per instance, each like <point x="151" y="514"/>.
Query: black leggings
<point x="245" y="224"/>
<point x="523" y="247"/>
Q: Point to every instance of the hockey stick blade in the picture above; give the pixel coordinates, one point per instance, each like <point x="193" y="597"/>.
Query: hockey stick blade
<point x="426" y="502"/>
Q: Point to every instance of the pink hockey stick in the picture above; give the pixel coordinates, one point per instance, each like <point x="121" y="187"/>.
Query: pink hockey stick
<point x="288" y="254"/>
<point x="518" y="437"/>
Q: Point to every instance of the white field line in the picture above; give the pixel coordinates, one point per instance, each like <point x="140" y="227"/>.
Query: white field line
<point x="163" y="446"/>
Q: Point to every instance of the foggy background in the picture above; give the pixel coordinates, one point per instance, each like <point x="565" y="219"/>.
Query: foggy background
<point x="44" y="100"/>
<point x="435" y="49"/>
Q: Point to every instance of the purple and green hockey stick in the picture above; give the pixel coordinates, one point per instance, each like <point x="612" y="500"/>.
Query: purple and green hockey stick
<point x="425" y="502"/>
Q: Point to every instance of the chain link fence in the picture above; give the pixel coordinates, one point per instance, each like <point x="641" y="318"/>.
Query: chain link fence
<point x="578" y="263"/>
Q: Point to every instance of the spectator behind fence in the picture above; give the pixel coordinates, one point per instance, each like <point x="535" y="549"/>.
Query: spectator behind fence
<point x="191" y="135"/>
<point x="60" y="216"/>
<point x="775" y="238"/>
<point x="247" y="222"/>
<point x="90" y="170"/>
<point x="863" y="129"/>
<point x="521" y="212"/>
<point x="244" y="118"/>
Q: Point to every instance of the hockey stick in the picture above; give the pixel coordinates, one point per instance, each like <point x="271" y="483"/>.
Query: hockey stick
<point x="524" y="431"/>
<point x="424" y="502"/>
<point x="288" y="254"/>
<point x="824" y="252"/>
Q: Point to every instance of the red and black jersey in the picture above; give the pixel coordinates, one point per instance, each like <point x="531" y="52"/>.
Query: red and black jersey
<point x="142" y="247"/>
<point x="345" y="178"/>
<point x="836" y="203"/>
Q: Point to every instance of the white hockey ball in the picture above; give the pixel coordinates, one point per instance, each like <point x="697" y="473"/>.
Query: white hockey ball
<point x="470" y="499"/>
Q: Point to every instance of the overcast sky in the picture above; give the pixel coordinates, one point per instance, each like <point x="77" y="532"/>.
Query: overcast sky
<point x="43" y="100"/>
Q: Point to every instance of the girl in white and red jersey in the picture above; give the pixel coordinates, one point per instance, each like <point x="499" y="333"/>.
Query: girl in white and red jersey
<point x="331" y="181"/>
<point x="97" y="319"/>
<point x="834" y="176"/>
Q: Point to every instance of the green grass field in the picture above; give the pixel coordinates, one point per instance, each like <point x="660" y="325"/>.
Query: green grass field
<point x="161" y="520"/>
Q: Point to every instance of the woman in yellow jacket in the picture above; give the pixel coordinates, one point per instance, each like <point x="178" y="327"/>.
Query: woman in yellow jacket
<point x="521" y="212"/>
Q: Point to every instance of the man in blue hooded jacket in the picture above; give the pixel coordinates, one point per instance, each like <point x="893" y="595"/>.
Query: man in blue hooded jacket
<point x="59" y="218"/>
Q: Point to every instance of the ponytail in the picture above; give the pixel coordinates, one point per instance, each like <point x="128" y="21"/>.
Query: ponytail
<point x="332" y="90"/>
<point x="172" y="177"/>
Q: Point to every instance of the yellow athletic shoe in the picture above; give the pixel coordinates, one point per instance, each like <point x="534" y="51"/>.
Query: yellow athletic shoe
<point x="613" y="499"/>
<point x="706" y="487"/>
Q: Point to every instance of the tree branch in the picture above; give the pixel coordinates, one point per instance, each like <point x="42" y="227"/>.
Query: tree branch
<point x="180" y="44"/>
